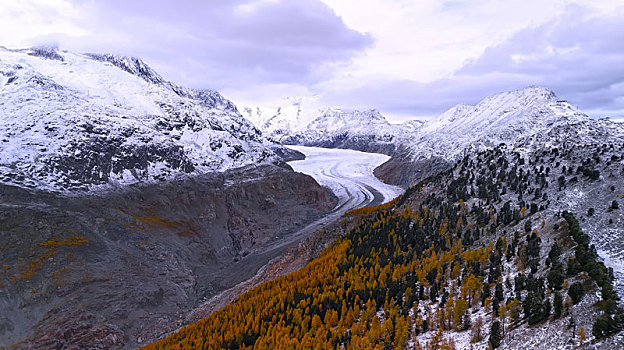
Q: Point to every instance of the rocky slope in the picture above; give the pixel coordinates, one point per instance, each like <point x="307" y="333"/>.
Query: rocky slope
<point x="75" y="121"/>
<point x="126" y="201"/>
<point x="115" y="269"/>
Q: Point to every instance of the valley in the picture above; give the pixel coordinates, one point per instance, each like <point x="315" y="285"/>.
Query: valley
<point x="121" y="219"/>
<point x="312" y="175"/>
<point x="164" y="216"/>
<point x="485" y="236"/>
<point x="349" y="175"/>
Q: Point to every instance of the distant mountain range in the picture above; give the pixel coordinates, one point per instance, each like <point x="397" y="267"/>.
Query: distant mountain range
<point x="528" y="118"/>
<point x="84" y="121"/>
<point x="294" y="123"/>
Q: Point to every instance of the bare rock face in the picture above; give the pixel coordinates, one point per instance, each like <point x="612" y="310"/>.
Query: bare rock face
<point x="81" y="328"/>
<point x="117" y="269"/>
<point x="403" y="171"/>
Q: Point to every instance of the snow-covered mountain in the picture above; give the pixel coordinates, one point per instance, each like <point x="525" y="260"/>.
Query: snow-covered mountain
<point x="296" y="122"/>
<point x="529" y="116"/>
<point x="81" y="120"/>
<point x="526" y="120"/>
<point x="414" y="124"/>
<point x="361" y="130"/>
<point x="292" y="115"/>
<point x="533" y="116"/>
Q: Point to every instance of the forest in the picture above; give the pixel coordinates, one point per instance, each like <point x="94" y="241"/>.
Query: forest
<point x="477" y="250"/>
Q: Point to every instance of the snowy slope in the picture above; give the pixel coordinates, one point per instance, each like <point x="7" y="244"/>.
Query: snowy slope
<point x="526" y="118"/>
<point x="77" y="121"/>
<point x="297" y="122"/>
<point x="414" y="124"/>
<point x="334" y="126"/>
<point x="292" y="115"/>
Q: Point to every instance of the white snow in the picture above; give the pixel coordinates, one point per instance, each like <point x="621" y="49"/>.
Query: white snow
<point x="300" y="121"/>
<point x="53" y="109"/>
<point x="524" y="119"/>
<point x="348" y="173"/>
<point x="292" y="115"/>
<point x="617" y="264"/>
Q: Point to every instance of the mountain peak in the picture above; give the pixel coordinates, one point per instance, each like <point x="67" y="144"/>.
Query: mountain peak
<point x="525" y="97"/>
<point x="355" y="115"/>
<point x="48" y="52"/>
<point x="504" y="117"/>
<point x="74" y="121"/>
<point x="132" y="65"/>
<point x="537" y="90"/>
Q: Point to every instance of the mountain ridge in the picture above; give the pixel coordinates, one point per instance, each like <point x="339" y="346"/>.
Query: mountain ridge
<point x="112" y="120"/>
<point x="522" y="118"/>
<point x="296" y="123"/>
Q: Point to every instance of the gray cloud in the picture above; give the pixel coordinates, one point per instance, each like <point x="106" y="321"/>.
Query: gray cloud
<point x="220" y="44"/>
<point x="299" y="43"/>
<point x="580" y="57"/>
<point x="407" y="97"/>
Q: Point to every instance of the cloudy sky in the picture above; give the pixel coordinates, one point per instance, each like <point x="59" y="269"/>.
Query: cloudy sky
<point x="407" y="58"/>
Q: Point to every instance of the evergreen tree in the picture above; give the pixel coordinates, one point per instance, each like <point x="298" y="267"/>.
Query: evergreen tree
<point x="485" y="292"/>
<point x="527" y="226"/>
<point x="555" y="277"/>
<point x="576" y="292"/>
<point x="606" y="325"/>
<point x="554" y="253"/>
<point x="498" y="298"/>
<point x="532" y="252"/>
<point x="615" y="205"/>
<point x="558" y="305"/>
<point x="495" y="335"/>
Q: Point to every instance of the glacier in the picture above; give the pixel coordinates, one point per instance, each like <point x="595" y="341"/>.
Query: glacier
<point x="348" y="173"/>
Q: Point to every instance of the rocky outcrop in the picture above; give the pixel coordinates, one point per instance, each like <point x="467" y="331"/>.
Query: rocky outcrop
<point x="288" y="154"/>
<point x="403" y="171"/>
